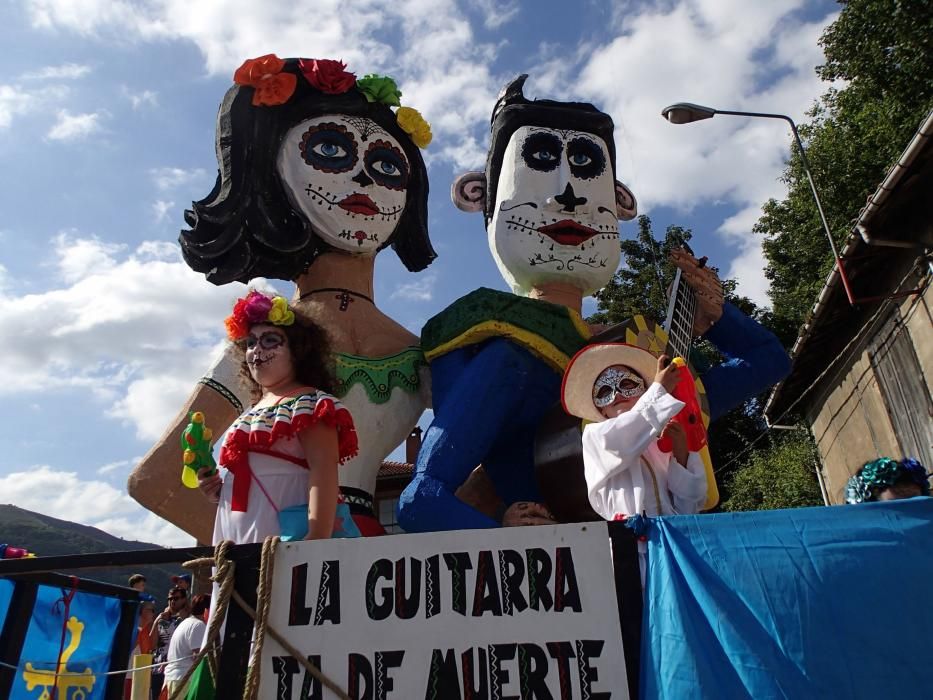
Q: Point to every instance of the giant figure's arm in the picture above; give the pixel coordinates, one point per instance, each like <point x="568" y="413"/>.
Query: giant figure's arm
<point x="756" y="360"/>
<point x="156" y="480"/>
<point x="473" y="400"/>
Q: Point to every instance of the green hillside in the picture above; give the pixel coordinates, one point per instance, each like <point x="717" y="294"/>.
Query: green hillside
<point x="47" y="536"/>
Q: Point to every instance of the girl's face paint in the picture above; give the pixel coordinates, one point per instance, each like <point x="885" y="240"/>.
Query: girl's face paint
<point x="268" y="356"/>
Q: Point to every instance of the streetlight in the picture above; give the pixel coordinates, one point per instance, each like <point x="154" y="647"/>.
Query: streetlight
<point x="687" y="112"/>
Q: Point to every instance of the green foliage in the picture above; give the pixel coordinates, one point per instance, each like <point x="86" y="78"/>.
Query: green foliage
<point x="883" y="49"/>
<point x="782" y="474"/>
<point x="640" y="287"/>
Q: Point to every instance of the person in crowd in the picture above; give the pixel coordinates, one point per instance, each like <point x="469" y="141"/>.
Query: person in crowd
<point x="160" y="635"/>
<point x="886" y="479"/>
<point x="137" y="582"/>
<point x="281" y="456"/>
<point x="185" y="644"/>
<point x="316" y="179"/>
<point x="183" y="581"/>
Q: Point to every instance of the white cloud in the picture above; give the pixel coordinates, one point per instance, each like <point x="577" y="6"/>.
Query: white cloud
<point x="420" y="290"/>
<point x="81" y="257"/>
<point x="65" y="495"/>
<point x="141" y="99"/>
<point x="72" y="127"/>
<point x="14" y="101"/>
<point x="114" y="466"/>
<point x="173" y="178"/>
<point x="712" y="54"/>
<point x="161" y="208"/>
<point x="428" y="45"/>
<point x="496" y="12"/>
<point x="66" y="71"/>
<point x="136" y="328"/>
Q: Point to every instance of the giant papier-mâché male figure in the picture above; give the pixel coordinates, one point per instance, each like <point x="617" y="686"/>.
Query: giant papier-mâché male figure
<point x="551" y="204"/>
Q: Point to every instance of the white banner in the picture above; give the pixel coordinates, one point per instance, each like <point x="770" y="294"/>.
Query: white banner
<point x="482" y="614"/>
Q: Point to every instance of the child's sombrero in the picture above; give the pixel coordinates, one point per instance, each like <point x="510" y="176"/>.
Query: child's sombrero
<point x="583" y="369"/>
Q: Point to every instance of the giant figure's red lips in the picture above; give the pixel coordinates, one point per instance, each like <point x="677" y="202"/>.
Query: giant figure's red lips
<point x="359" y="204"/>
<point x="568" y="232"/>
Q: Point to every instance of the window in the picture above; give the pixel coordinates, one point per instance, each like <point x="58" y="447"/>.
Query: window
<point x="906" y="394"/>
<point x="387" y="515"/>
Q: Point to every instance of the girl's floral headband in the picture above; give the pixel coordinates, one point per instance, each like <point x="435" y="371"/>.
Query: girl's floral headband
<point x="255" y="308"/>
<point x="274" y="87"/>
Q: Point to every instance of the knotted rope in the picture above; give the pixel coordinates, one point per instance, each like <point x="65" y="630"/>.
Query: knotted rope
<point x="224" y="577"/>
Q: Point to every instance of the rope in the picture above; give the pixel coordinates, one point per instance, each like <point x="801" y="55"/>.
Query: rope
<point x="67" y="597"/>
<point x="224" y="577"/>
<point x="263" y="600"/>
<point x="76" y="674"/>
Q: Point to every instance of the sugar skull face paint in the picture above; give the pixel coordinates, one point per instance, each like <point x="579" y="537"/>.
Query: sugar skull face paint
<point x="555" y="215"/>
<point x="349" y="177"/>
<point x="616" y="382"/>
<point x="268" y="356"/>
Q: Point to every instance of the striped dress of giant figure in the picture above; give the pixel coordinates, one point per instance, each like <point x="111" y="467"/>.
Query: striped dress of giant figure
<point x="318" y="172"/>
<point x="552" y="206"/>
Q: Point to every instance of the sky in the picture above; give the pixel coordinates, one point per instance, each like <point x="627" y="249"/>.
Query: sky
<point x="107" y="112"/>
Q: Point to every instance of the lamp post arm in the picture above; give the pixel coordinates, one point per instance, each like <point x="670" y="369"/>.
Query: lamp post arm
<point x="816" y="196"/>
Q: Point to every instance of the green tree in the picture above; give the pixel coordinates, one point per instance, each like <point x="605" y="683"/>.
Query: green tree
<point x="780" y="475"/>
<point x="883" y="51"/>
<point x="640" y="287"/>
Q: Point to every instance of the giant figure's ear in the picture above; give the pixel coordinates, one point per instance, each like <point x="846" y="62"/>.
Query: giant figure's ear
<point x="626" y="206"/>
<point x="469" y="192"/>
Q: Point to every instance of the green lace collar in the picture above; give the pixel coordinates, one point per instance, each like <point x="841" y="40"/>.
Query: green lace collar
<point x="380" y="375"/>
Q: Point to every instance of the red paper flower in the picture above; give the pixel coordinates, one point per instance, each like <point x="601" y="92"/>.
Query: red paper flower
<point x="264" y="74"/>
<point x="326" y="75"/>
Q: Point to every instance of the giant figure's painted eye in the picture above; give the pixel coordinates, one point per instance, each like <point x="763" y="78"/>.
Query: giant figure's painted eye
<point x="387" y="165"/>
<point x="329" y="147"/>
<point x="542" y="151"/>
<point x="586" y="158"/>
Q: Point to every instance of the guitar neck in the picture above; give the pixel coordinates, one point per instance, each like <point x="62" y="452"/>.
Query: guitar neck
<point x="680" y="314"/>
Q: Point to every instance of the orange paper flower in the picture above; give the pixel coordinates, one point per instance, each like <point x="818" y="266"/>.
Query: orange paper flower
<point x="264" y="74"/>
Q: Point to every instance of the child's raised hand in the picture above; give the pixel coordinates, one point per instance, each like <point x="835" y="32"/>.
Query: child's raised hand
<point x="209" y="482"/>
<point x="678" y="436"/>
<point x="667" y="375"/>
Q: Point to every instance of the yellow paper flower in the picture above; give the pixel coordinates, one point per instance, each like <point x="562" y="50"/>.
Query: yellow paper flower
<point x="414" y="125"/>
<point x="280" y="314"/>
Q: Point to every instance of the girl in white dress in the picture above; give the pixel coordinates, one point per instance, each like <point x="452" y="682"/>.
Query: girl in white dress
<point x="281" y="456"/>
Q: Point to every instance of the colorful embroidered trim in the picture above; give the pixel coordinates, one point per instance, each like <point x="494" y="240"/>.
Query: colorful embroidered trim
<point x="257" y="429"/>
<point x="380" y="375"/>
<point x="552" y="332"/>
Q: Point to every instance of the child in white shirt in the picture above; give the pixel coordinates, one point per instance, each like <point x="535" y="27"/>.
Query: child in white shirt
<point x="626" y="472"/>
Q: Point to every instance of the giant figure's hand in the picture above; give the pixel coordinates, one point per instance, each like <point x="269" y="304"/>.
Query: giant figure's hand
<point x="705" y="282"/>
<point x="527" y="513"/>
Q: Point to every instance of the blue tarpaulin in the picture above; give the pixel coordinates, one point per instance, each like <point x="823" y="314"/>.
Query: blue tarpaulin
<point x="804" y="603"/>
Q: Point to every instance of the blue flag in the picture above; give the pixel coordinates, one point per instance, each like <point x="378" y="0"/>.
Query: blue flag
<point x="89" y="625"/>
<point x="805" y="603"/>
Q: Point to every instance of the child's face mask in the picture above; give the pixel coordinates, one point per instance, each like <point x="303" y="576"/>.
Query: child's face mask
<point x="616" y="382"/>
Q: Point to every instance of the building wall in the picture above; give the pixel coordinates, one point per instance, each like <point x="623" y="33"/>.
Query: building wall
<point x="849" y="417"/>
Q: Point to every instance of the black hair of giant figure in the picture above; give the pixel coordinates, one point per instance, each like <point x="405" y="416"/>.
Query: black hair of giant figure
<point x="513" y="111"/>
<point x="247" y="227"/>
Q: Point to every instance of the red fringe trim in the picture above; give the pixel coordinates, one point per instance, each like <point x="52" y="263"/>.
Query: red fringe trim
<point x="234" y="455"/>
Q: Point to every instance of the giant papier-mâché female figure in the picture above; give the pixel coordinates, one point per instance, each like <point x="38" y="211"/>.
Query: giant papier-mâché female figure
<point x="318" y="171"/>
